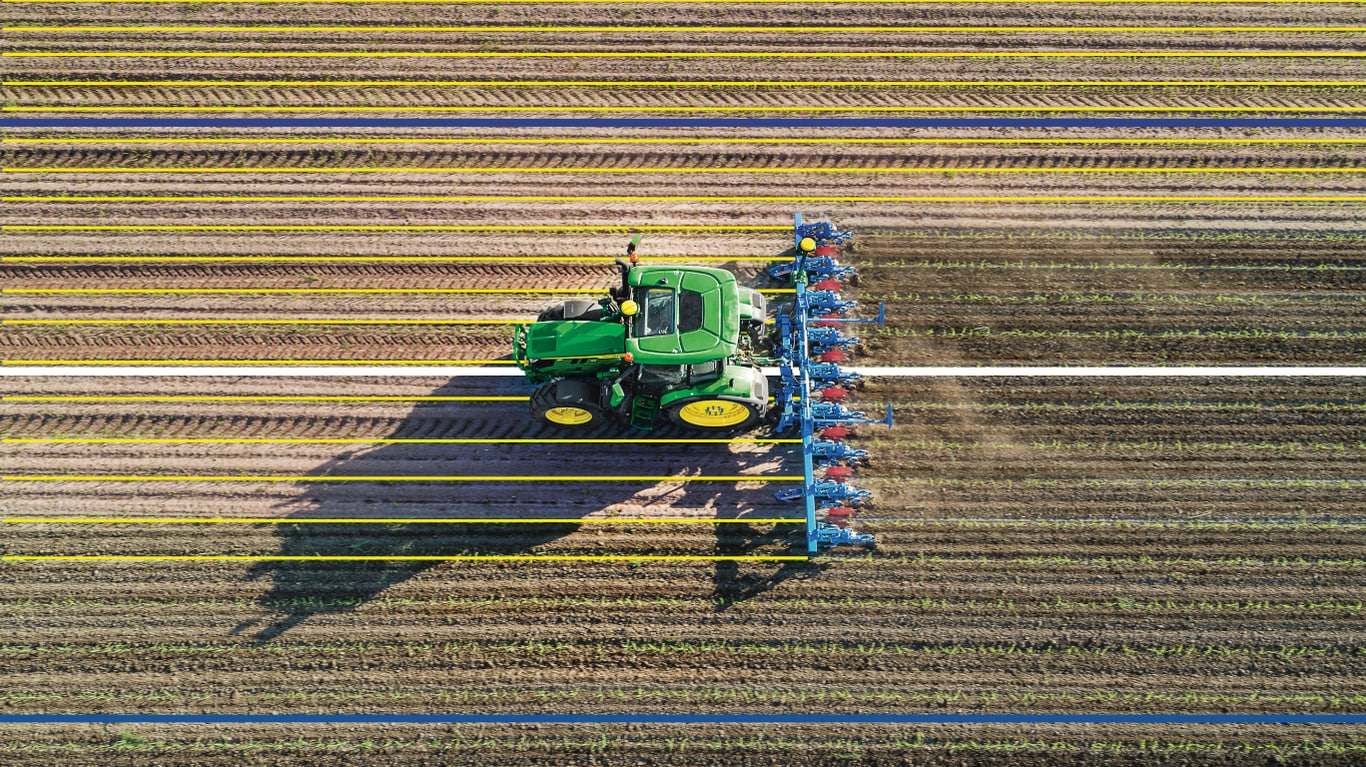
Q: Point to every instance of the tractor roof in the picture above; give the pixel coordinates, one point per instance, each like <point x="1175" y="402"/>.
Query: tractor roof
<point x="687" y="314"/>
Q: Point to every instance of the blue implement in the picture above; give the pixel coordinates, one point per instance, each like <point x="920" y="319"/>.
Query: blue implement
<point x="806" y="331"/>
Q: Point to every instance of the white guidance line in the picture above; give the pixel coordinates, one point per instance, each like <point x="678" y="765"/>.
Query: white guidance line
<point x="266" y="371"/>
<point x="261" y="371"/>
<point x="1109" y="372"/>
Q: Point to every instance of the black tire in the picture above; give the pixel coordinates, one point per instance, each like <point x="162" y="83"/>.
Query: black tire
<point x="578" y="309"/>
<point x="569" y="403"/>
<point x="726" y="418"/>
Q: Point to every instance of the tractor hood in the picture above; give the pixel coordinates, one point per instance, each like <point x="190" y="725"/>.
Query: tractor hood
<point x="687" y="314"/>
<point x="560" y="339"/>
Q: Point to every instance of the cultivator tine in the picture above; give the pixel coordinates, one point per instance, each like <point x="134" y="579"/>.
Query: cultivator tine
<point x="828" y="301"/>
<point x="827" y="374"/>
<point x="818" y="262"/>
<point x="808" y="351"/>
<point x="824" y="339"/>
<point x="829" y="453"/>
<point x="835" y="414"/>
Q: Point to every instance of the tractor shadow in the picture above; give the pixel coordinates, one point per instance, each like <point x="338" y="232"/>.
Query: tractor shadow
<point x="302" y="589"/>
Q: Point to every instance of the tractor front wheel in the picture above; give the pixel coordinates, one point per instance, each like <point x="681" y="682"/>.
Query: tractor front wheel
<point x="568" y="404"/>
<point x="713" y="413"/>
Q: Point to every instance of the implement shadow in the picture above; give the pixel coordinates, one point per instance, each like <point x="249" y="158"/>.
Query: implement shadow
<point x="736" y="582"/>
<point x="302" y="589"/>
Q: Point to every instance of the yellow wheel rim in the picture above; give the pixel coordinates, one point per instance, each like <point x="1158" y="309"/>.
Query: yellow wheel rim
<point x="568" y="415"/>
<point x="714" y="413"/>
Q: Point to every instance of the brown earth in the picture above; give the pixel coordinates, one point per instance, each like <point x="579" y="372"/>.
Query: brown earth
<point x="1045" y="545"/>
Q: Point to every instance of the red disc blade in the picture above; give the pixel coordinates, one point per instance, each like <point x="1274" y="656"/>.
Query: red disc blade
<point x="834" y="393"/>
<point x="839" y="473"/>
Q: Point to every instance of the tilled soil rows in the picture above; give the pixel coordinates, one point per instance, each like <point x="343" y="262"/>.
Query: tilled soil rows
<point x="1188" y="299"/>
<point x="1046" y="546"/>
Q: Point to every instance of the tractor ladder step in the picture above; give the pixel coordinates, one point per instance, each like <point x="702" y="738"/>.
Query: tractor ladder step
<point x="644" y="408"/>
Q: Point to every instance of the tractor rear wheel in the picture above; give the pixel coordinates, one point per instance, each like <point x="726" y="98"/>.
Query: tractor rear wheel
<point x="714" y="413"/>
<point x="568" y="403"/>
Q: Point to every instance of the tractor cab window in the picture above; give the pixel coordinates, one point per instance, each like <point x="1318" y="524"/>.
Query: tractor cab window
<point x="663" y="376"/>
<point x="655" y="317"/>
<point x="704" y="372"/>
<point x="689" y="311"/>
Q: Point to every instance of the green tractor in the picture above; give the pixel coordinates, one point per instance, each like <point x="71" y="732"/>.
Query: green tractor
<point x="672" y="341"/>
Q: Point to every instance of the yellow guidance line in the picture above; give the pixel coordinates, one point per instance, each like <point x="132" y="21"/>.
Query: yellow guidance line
<point x="388" y="228"/>
<point x="270" y="322"/>
<point x="429" y="109"/>
<point x="690" y="30"/>
<point x="639" y="84"/>
<point x="695" y="198"/>
<point x="510" y="261"/>
<point x="469" y="198"/>
<point x="592" y="198"/>
<point x="378" y="521"/>
<point x="308" y="291"/>
<point x="255" y="363"/>
<point x="712" y="2"/>
<point x="449" y="558"/>
<point x="264" y="322"/>
<point x="387" y="478"/>
<point x="279" y="291"/>
<point x="927" y="199"/>
<point x="242" y="398"/>
<point x="438" y="228"/>
<point x="683" y="141"/>
<point x="348" y="441"/>
<point x="738" y="198"/>
<point x="682" y="54"/>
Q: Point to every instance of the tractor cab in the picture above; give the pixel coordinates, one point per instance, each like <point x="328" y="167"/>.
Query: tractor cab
<point x="684" y="314"/>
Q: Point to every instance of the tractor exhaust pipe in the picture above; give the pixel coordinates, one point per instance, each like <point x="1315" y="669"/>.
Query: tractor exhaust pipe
<point x="625" y="268"/>
<point x="624" y="292"/>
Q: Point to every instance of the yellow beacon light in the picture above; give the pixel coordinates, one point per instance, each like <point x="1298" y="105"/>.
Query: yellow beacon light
<point x="629" y="308"/>
<point x="807" y="245"/>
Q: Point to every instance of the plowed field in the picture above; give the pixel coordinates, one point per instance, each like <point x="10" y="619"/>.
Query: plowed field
<point x="1046" y="546"/>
